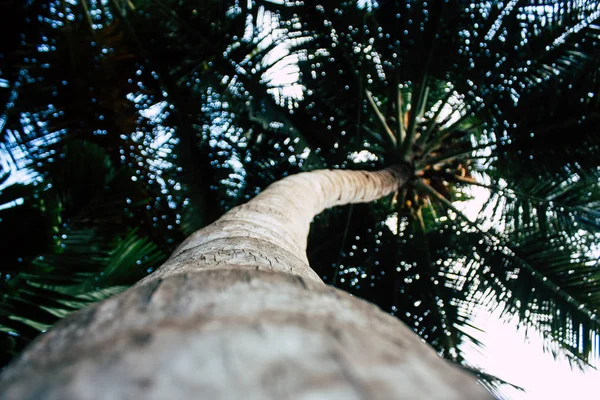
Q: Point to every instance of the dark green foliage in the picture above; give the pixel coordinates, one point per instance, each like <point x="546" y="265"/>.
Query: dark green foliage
<point x="143" y="121"/>
<point x="526" y="76"/>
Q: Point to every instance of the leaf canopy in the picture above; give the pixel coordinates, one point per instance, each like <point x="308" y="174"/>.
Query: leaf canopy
<point x="127" y="125"/>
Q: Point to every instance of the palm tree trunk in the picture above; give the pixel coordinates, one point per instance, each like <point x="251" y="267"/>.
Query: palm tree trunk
<point x="237" y="313"/>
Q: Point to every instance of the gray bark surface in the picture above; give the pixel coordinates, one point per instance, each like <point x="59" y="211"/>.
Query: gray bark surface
<point x="237" y="313"/>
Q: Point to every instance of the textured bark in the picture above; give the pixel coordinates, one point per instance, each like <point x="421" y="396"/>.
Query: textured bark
<point x="270" y="231"/>
<point x="236" y="312"/>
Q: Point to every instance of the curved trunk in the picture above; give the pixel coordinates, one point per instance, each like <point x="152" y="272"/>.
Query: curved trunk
<point x="237" y="312"/>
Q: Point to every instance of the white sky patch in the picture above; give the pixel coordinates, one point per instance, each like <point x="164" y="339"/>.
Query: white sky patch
<point x="507" y="353"/>
<point x="14" y="158"/>
<point x="294" y="92"/>
<point x="451" y="109"/>
<point x="278" y="55"/>
<point x="283" y="72"/>
<point x="392" y="223"/>
<point x="158" y="145"/>
<point x="279" y="67"/>
<point x="13" y="203"/>
<point x="135" y="98"/>
<point x="162" y="136"/>
<point x="237" y="166"/>
<point x="369" y="5"/>
<point x="305" y="153"/>
<point x="471" y="208"/>
<point x="15" y="174"/>
<point x="154" y="110"/>
<point x="362" y="156"/>
<point x="509" y="356"/>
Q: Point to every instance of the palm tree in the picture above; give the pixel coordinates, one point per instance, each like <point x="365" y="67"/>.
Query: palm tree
<point x="96" y="230"/>
<point x="240" y="293"/>
<point x="108" y="206"/>
<point x="458" y="89"/>
<point x="391" y="83"/>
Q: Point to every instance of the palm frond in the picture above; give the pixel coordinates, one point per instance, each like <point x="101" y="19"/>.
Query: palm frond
<point x="527" y="273"/>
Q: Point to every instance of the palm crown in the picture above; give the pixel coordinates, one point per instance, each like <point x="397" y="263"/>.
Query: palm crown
<point x="150" y="118"/>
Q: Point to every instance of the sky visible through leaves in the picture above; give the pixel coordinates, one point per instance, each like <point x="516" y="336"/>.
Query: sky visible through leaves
<point x="129" y="124"/>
